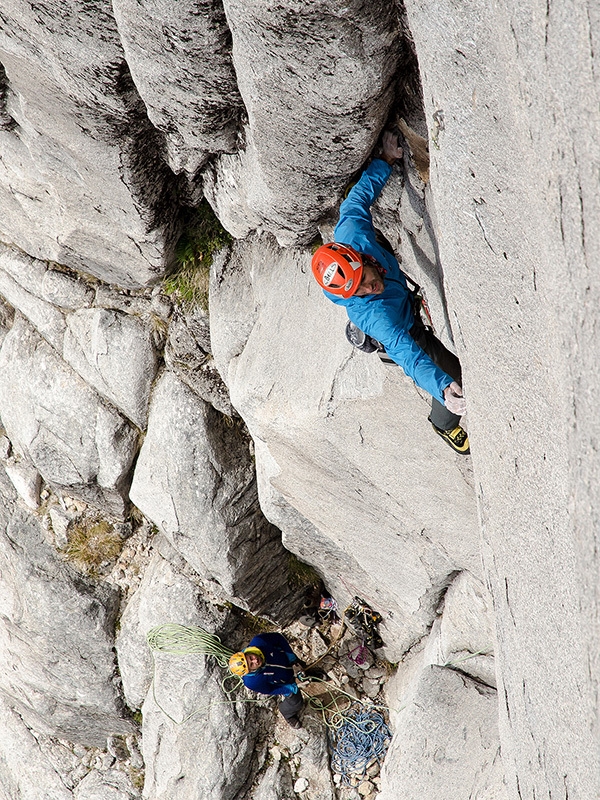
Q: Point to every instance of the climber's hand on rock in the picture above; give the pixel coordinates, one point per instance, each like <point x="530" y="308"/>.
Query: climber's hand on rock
<point x="454" y="400"/>
<point x="391" y="149"/>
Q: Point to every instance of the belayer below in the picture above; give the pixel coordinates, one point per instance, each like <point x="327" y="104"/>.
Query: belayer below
<point x="265" y="666"/>
<point x="355" y="271"/>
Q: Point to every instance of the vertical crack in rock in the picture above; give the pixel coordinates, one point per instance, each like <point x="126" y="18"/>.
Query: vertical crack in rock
<point x="6" y="121"/>
<point x="180" y="59"/>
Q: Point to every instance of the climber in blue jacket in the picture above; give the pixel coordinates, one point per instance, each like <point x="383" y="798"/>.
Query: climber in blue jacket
<point x="356" y="272"/>
<point x="265" y="666"/>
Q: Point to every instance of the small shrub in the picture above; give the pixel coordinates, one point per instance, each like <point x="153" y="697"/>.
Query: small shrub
<point x="91" y="544"/>
<point x="203" y="236"/>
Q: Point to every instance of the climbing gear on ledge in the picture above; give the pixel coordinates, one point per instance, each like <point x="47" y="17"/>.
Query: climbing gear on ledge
<point x="363" y="737"/>
<point x="364" y="621"/>
<point x="328" y="608"/>
<point x="457" y="438"/>
<point x="338" y="269"/>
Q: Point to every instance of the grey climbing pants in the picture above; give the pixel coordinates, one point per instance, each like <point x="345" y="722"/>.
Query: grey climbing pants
<point x="440" y="355"/>
<point x="291" y="705"/>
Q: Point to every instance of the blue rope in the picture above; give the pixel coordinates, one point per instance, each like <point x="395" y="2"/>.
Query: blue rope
<point x="360" y="739"/>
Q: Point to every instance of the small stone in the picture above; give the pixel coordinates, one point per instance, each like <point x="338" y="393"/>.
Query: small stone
<point x="366" y="788"/>
<point x="373" y="770"/>
<point x="345" y="679"/>
<point x="135" y="756"/>
<point x="301" y="785"/>
<point x="60" y="525"/>
<point x="337" y="778"/>
<point x="370" y="688"/>
<point x="124" y="529"/>
<point x="161" y="306"/>
<point x="117" y="748"/>
<point x="107" y="761"/>
<point x="376" y="673"/>
<point x="26" y="480"/>
<point x="317" y="643"/>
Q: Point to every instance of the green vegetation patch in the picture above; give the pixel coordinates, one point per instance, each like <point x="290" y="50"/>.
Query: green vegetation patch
<point x="92" y="546"/>
<point x="202" y="237"/>
<point x="301" y="574"/>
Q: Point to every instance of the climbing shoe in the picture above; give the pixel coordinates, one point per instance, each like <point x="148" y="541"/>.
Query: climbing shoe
<point x="457" y="439"/>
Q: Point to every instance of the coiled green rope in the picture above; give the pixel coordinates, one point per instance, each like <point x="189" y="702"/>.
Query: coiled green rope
<point x="188" y="640"/>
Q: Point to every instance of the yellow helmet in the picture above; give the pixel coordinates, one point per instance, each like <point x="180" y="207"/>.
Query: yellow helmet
<point x="255" y="651"/>
<point x="238" y="664"/>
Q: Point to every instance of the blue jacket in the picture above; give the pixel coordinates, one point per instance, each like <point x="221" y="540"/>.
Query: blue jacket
<point x="387" y="317"/>
<point x="276" y="676"/>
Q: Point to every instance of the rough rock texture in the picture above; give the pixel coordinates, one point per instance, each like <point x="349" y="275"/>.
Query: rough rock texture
<point x="195" y="479"/>
<point x="270" y="109"/>
<point x="445" y="742"/>
<point x="82" y="181"/>
<point x="317" y="83"/>
<point x="514" y="178"/>
<point x="57" y="666"/>
<point x="188" y="352"/>
<point x="196" y="742"/>
<point x="180" y="60"/>
<point x="18" y="746"/>
<point x="463" y="636"/>
<point x="114" y="353"/>
<point x="167" y="594"/>
<point x="20" y="276"/>
<point x="349" y="436"/>
<point x="112" y="785"/>
<point x="55" y="420"/>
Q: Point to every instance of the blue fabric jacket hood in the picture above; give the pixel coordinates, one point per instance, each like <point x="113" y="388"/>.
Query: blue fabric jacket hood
<point x="277" y="675"/>
<point x="387" y="317"/>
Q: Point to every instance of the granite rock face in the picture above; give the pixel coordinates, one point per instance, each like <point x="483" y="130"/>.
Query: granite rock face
<point x="58" y="666"/>
<point x="82" y="179"/>
<point x="511" y="98"/>
<point x="446" y="742"/>
<point x="114" y="117"/>
<point x="195" y="480"/>
<point x="114" y="353"/>
<point x="180" y="60"/>
<point x="317" y="85"/>
<point x="58" y="423"/>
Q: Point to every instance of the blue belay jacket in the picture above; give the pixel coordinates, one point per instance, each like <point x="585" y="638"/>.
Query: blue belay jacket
<point x="387" y="317"/>
<point x="276" y="676"/>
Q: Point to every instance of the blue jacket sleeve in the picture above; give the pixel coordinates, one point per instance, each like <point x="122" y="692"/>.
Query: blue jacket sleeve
<point x="355" y="212"/>
<point x="379" y="319"/>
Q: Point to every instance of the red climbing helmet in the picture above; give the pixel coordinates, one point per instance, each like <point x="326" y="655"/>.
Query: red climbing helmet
<point x="338" y="268"/>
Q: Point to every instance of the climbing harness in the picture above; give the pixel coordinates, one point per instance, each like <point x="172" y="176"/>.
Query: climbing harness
<point x="361" y="739"/>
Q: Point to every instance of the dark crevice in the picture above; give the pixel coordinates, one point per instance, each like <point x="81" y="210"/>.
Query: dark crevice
<point x="6" y="121"/>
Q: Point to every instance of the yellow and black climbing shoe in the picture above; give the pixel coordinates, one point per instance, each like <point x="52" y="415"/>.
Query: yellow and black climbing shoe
<point x="457" y="439"/>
